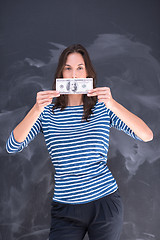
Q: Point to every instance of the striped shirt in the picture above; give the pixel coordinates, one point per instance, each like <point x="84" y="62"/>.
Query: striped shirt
<point x="78" y="150"/>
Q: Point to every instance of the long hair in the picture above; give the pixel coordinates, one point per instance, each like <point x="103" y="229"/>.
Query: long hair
<point x="62" y="101"/>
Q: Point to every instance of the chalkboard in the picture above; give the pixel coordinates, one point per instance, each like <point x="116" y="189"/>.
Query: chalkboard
<point x="122" y="38"/>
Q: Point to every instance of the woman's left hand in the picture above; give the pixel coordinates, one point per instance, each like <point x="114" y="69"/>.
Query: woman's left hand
<point x="132" y="121"/>
<point x="103" y="94"/>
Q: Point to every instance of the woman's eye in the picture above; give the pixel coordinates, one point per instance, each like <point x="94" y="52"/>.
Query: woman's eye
<point x="80" y="68"/>
<point x="68" y="68"/>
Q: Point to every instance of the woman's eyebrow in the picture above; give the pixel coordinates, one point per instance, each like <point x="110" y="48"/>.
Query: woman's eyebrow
<point x="70" y="65"/>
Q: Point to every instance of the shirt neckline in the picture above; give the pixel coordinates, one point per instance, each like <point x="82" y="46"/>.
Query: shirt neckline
<point x="72" y="107"/>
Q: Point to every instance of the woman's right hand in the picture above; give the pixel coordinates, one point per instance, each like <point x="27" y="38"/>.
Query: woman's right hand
<point x="44" y="98"/>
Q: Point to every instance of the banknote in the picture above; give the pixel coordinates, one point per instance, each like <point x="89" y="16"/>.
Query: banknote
<point x="74" y="85"/>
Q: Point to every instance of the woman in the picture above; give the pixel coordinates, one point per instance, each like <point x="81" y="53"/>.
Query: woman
<point x="76" y="130"/>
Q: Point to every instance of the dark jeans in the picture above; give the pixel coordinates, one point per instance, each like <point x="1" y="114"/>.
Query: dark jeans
<point x="102" y="219"/>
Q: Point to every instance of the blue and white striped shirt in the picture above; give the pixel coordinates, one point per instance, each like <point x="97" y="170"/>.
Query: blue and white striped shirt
<point x="78" y="150"/>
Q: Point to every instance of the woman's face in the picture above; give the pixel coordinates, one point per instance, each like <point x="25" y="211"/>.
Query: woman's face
<point x="74" y="67"/>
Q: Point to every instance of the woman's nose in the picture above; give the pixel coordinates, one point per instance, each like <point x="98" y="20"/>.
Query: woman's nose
<point x="74" y="75"/>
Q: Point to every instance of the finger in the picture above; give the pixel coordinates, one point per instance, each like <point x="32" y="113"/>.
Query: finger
<point x="99" y="89"/>
<point x="103" y="100"/>
<point x="92" y="94"/>
<point x="103" y="97"/>
<point x="46" y="98"/>
<point x="98" y="92"/>
<point x="44" y="102"/>
<point x="51" y="95"/>
<point x="49" y="92"/>
<point x="48" y="95"/>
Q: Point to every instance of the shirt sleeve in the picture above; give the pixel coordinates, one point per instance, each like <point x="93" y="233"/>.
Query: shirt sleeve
<point x="117" y="123"/>
<point x="12" y="146"/>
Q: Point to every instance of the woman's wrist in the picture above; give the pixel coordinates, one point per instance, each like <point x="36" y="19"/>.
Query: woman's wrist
<point x="112" y="104"/>
<point x="36" y="110"/>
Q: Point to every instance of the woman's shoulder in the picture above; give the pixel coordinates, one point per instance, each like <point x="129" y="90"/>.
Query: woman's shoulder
<point x="48" y="109"/>
<point x="100" y="106"/>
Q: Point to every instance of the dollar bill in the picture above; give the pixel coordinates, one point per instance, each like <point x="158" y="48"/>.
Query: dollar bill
<point x="74" y="85"/>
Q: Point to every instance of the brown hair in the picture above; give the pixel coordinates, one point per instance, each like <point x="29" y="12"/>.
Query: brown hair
<point x="62" y="101"/>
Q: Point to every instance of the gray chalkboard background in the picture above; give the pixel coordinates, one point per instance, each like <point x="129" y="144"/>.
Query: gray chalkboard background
<point x="123" y="39"/>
